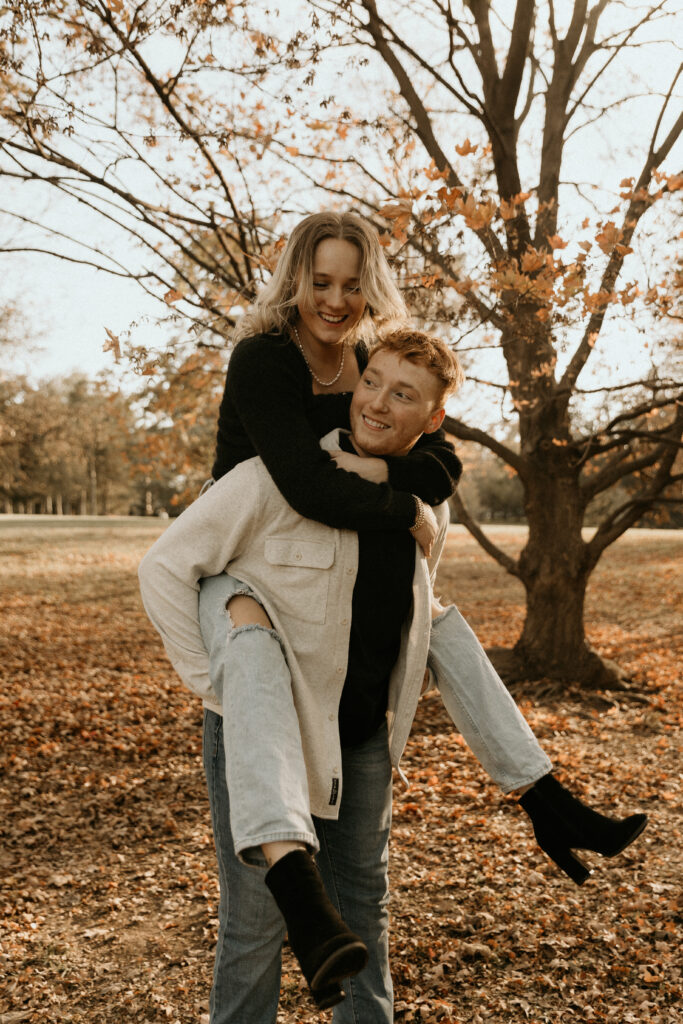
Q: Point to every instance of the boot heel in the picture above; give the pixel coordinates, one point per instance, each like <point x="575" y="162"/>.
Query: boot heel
<point x="562" y="823"/>
<point x="567" y="861"/>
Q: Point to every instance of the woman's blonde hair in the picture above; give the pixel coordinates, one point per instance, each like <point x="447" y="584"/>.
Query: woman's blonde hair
<point x="291" y="285"/>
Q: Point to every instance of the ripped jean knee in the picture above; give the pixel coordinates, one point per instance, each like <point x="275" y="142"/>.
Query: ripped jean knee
<point x="250" y="627"/>
<point x="216" y="623"/>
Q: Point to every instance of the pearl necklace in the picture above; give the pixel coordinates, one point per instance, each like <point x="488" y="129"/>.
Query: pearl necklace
<point x="314" y="375"/>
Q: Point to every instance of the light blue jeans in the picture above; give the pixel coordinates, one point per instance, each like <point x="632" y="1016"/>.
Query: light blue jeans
<point x="352" y="859"/>
<point x="481" y="707"/>
<point x="266" y="772"/>
<point x="255" y="753"/>
<point x="265" y="764"/>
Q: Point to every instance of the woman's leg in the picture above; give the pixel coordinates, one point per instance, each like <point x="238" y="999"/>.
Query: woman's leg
<point x="496" y="732"/>
<point x="353" y="860"/>
<point x="266" y="778"/>
<point x="266" y="773"/>
<point x="481" y="707"/>
<point x="246" y="978"/>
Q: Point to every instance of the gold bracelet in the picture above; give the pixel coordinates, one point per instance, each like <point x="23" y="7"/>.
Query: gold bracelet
<point x="420" y="515"/>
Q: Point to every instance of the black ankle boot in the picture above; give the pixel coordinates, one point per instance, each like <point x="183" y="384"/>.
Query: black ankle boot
<point x="562" y="823"/>
<point x="326" y="949"/>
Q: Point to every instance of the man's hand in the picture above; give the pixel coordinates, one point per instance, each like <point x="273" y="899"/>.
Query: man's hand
<point x="426" y="535"/>
<point x="374" y="470"/>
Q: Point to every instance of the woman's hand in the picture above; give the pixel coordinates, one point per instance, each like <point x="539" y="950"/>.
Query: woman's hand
<point x="426" y="535"/>
<point x="374" y="470"/>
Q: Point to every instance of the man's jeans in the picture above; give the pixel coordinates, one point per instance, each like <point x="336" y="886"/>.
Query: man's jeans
<point x="352" y="859"/>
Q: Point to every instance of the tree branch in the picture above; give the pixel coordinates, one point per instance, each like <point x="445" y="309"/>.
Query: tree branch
<point x="635" y="211"/>
<point x="631" y="511"/>
<point x="509" y="564"/>
<point x="617" y="470"/>
<point x="423" y="125"/>
<point x="465" y="433"/>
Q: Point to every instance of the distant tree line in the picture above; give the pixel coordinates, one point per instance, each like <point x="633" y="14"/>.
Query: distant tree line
<point x="75" y="446"/>
<point x="494" y="494"/>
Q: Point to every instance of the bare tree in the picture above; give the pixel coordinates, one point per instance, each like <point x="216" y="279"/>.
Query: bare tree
<point x="546" y="313"/>
<point x="469" y="164"/>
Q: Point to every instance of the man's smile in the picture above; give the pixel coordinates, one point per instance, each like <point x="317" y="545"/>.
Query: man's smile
<point x="374" y="424"/>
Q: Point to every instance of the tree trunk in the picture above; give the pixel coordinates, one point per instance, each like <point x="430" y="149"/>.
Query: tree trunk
<point x="93" y="489"/>
<point x="58" y="505"/>
<point x="555" y="568"/>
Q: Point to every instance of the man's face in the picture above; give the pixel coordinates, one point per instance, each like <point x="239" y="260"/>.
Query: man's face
<point x="394" y="402"/>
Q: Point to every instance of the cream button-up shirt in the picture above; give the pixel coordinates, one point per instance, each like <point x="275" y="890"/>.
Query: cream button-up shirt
<point x="304" y="573"/>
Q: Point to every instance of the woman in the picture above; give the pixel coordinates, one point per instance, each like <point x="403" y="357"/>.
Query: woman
<point x="301" y="352"/>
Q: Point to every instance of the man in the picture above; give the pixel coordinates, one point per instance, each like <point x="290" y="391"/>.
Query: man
<point x="355" y="631"/>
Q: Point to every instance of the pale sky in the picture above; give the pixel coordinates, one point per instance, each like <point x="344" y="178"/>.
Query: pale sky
<point x="69" y="306"/>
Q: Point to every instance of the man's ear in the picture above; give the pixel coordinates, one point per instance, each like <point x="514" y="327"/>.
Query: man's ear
<point x="434" y="421"/>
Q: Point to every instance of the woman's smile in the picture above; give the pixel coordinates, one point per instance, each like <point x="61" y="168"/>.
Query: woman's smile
<point x="338" y="302"/>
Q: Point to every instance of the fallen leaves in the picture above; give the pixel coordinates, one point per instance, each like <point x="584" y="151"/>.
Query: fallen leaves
<point x="108" y="884"/>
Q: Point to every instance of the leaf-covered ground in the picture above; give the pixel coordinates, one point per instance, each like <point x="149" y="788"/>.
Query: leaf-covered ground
<point x="107" y="876"/>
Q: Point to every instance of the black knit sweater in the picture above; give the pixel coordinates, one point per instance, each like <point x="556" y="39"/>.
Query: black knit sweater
<point x="269" y="409"/>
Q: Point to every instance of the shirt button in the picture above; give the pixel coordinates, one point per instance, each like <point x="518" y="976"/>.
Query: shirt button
<point x="339" y="670"/>
<point x="336" y="770"/>
<point x="331" y="717"/>
<point x="298" y="555"/>
<point x="344" y="622"/>
<point x="349" y="572"/>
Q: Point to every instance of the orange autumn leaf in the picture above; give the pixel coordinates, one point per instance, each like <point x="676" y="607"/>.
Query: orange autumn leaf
<point x="392" y="211"/>
<point x="507" y="210"/>
<point x="449" y="197"/>
<point x="112" y="344"/>
<point x="532" y="260"/>
<point x="465" y="148"/>
<point x="477" y="215"/>
<point x="608" y="237"/>
<point x="464" y="286"/>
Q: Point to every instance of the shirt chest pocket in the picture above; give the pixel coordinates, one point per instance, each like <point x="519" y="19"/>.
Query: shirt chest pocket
<point x="300" y="576"/>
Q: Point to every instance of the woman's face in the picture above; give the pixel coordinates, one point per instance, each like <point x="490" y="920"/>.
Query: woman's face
<point x="339" y="304"/>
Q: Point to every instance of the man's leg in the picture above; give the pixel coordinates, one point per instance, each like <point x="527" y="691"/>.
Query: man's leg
<point x="353" y="860"/>
<point x="481" y="707"/>
<point x="246" y="979"/>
